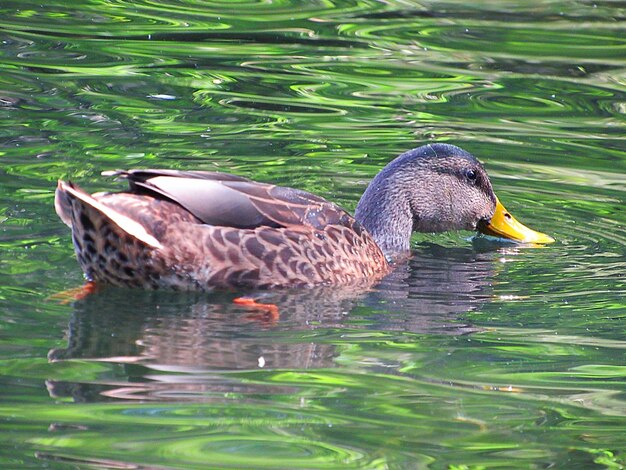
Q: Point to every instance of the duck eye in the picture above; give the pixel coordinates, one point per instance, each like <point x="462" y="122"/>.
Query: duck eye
<point x="471" y="174"/>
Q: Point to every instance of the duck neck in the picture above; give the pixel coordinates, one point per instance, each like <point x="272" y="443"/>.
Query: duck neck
<point x="386" y="215"/>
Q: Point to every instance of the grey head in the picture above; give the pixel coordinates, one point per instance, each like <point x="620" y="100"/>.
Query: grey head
<point x="433" y="188"/>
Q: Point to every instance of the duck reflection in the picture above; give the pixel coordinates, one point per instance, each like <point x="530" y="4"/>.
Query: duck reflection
<point x="175" y="346"/>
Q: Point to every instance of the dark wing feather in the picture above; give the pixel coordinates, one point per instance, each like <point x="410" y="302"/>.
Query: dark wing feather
<point x="134" y="176"/>
<point x="227" y="200"/>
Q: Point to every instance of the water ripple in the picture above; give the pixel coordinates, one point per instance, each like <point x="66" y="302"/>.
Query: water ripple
<point x="473" y="353"/>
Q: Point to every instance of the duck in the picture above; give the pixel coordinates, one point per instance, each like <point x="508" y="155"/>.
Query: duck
<point x="202" y="230"/>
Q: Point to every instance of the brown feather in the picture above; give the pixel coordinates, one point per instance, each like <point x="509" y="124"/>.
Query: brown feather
<point x="304" y="241"/>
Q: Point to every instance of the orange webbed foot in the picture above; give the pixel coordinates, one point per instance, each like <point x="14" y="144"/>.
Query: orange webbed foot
<point x="268" y="312"/>
<point x="77" y="293"/>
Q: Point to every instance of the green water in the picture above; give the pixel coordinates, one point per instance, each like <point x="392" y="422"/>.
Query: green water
<point x="468" y="356"/>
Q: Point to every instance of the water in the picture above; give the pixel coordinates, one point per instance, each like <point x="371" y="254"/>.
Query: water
<point x="470" y="355"/>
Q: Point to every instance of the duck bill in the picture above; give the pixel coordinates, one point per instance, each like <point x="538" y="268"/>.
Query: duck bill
<point x="504" y="225"/>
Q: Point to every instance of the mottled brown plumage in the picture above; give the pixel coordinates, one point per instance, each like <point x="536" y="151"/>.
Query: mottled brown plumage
<point x="289" y="238"/>
<point x="194" y="230"/>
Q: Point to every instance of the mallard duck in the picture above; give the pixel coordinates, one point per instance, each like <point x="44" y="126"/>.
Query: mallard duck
<point x="197" y="230"/>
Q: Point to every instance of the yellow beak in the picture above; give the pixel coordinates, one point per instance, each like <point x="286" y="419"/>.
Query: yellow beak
<point x="504" y="225"/>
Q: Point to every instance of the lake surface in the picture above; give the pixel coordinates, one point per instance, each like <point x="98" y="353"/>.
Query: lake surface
<point x="472" y="355"/>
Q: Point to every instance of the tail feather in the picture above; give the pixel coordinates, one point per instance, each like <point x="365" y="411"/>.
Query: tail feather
<point x="67" y="193"/>
<point x="63" y="204"/>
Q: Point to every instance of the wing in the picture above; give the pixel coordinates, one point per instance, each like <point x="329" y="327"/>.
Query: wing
<point x="227" y="200"/>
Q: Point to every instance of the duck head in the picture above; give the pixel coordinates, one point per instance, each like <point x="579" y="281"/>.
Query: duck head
<point x="435" y="188"/>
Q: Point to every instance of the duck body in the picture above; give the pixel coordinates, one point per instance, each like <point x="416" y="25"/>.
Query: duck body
<point x="196" y="230"/>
